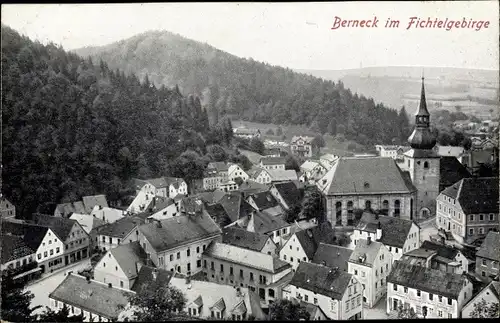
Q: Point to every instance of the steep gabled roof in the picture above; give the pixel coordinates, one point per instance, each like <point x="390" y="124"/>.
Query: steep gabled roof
<point x="321" y="279"/>
<point x="450" y="172"/>
<point x="332" y="256"/>
<point x="394" y="230"/>
<point x="120" y="228"/>
<point x="244" y="239"/>
<point x="218" y="213"/>
<point x="475" y="195"/>
<point x="127" y="256"/>
<point x="264" y="223"/>
<point x="235" y="205"/>
<point x="67" y="208"/>
<point x="90" y="201"/>
<point x="366" y="250"/>
<point x="272" y="160"/>
<point x="264" y="200"/>
<point x="290" y="193"/>
<point x="310" y="239"/>
<point x="445" y="251"/>
<point x="306" y="139"/>
<point x="31" y="234"/>
<point x="430" y="280"/>
<point x="14" y="247"/>
<point x="87" y="221"/>
<point x="278" y="175"/>
<point x="490" y="248"/>
<point x="61" y="226"/>
<point x="360" y="175"/>
<point x="218" y="166"/>
<point x="147" y="274"/>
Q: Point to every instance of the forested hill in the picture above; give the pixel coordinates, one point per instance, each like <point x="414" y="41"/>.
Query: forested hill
<point x="73" y="128"/>
<point x="250" y="90"/>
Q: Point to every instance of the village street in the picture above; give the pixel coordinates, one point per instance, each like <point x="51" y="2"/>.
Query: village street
<point x="46" y="285"/>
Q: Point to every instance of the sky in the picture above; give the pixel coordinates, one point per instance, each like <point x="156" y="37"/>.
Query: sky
<point x="294" y="35"/>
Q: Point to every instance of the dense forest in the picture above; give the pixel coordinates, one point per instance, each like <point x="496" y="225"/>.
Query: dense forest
<point x="72" y="128"/>
<point x="249" y="90"/>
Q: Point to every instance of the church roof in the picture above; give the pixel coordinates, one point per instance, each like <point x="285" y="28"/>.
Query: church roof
<point x="422" y="108"/>
<point x="361" y="176"/>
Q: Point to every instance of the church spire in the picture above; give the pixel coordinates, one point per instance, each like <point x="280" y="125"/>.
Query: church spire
<point x="422" y="138"/>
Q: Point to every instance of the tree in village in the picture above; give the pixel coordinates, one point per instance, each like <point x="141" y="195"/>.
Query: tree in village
<point x="286" y="310"/>
<point x="406" y="312"/>
<point x="256" y="145"/>
<point x="312" y="205"/>
<point x="485" y="309"/>
<point x="62" y="315"/>
<point x="157" y="302"/>
<point x="16" y="301"/>
<point x="216" y="153"/>
<point x="292" y="213"/>
<point x="292" y="163"/>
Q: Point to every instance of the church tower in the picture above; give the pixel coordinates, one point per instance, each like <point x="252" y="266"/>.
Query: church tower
<point x="422" y="162"/>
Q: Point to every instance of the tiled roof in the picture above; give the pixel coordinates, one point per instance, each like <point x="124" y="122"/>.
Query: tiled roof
<point x="87" y="221"/>
<point x="251" y="187"/>
<point x="14" y="247"/>
<point x="308" y="165"/>
<point x="373" y="175"/>
<point x="289" y="192"/>
<point x="109" y="215"/>
<point x="445" y="251"/>
<point x="127" y="256"/>
<point x="272" y="160"/>
<point x="245" y="257"/>
<point x="179" y="230"/>
<point x="310" y="239"/>
<point x="394" y="230"/>
<point x="429" y="280"/>
<point x="220" y="305"/>
<point x="120" y="228"/>
<point x="368" y="251"/>
<point x="264" y="200"/>
<point x="219" y="166"/>
<point x="141" y="202"/>
<point x="236" y="207"/>
<point x="218" y="213"/>
<point x="90" y="201"/>
<point x="448" y="151"/>
<point x="450" y="172"/>
<point x="307" y="139"/>
<point x="91" y="296"/>
<point x="278" y="175"/>
<point x="321" y="279"/>
<point x="332" y="256"/>
<point x="67" y="208"/>
<point x="31" y="234"/>
<point x="146" y="276"/>
<point x="475" y="195"/>
<point x="244" y="239"/>
<point x="61" y="226"/>
<point x="490" y="248"/>
<point x="264" y="223"/>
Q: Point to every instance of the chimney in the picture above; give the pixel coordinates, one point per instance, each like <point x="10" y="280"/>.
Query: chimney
<point x="138" y="266"/>
<point x="155" y="273"/>
<point x="379" y="231"/>
<point x="88" y="279"/>
<point x="109" y="285"/>
<point x="369" y="240"/>
<point x="100" y="207"/>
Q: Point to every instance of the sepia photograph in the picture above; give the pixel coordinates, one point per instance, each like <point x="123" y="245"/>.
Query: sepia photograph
<point x="271" y="161"/>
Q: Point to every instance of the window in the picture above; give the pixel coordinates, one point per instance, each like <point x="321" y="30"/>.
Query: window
<point x="231" y="270"/>
<point x="395" y="287"/>
<point x="315" y="301"/>
<point x="431" y="297"/>
<point x="212" y="265"/>
<point x="481" y="218"/>
<point x="440" y="313"/>
<point x="418" y="293"/>
<point x="397" y="208"/>
<point x="188" y="252"/>
<point x="440" y="298"/>
<point x="271" y="293"/>
<point x="198" y="249"/>
<point x="376" y="284"/>
<point x="450" y="301"/>
<point x="406" y="290"/>
<point x="291" y="259"/>
<point x="221" y="268"/>
<point x="178" y="255"/>
<point x="492" y="217"/>
<point x="483" y="274"/>
<point x="251" y="276"/>
<point x="355" y="272"/>
<point x="204" y="264"/>
<point x="306" y="298"/>
<point x="241" y="273"/>
<point x="57" y="250"/>
<point x="171" y="257"/>
<point x="212" y="314"/>
<point x="481" y="230"/>
<point x="362" y="274"/>
<point x="471" y="231"/>
<point x="45" y="254"/>
<point x="471" y="217"/>
<point x="116" y="268"/>
<point x="347" y="306"/>
<point x="121" y="284"/>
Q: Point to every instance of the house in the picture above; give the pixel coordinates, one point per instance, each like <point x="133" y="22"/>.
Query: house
<point x="251" y="187"/>
<point x="66" y="209"/>
<point x="220" y="168"/>
<point x="210" y="181"/>
<point x="327" y="160"/>
<point x="162" y="186"/>
<point x="176" y="243"/>
<point x="111" y="235"/>
<point x="120" y="265"/>
<point x="7" y="209"/>
<point x="490" y="294"/>
<point x="246" y="133"/>
<point x="89" y="202"/>
<point x="392" y="151"/>
<point x="269" y="163"/>
<point x="302" y="245"/>
<point x="48" y="247"/>
<point x="488" y="257"/>
<point x="259" y="175"/>
<point x="75" y="239"/>
<point x="313" y="170"/>
<point x="237" y="208"/>
<point x="367" y="183"/>
<point x="336" y="292"/>
<point x="438" y="256"/>
<point x="273" y="226"/>
<point x="215" y="302"/>
<point x="332" y="256"/>
<point x="430" y="292"/>
<point x="250" y="240"/>
<point x="469" y="208"/>
<point x="287" y="194"/>
<point x="147" y="275"/>
<point x="90" y="224"/>
<point x="282" y="175"/>
<point x="371" y="263"/>
<point x="17" y="256"/>
<point x="450" y="172"/>
<point x="141" y="202"/>
<point x="272" y="152"/>
<point x="228" y="186"/>
<point x="107" y="214"/>
<point x="217" y="212"/>
<point x="264" y="201"/>
<point x="235" y="171"/>
<point x="304" y="146"/>
<point x="98" y="302"/>
<point x="315" y="312"/>
<point x="164" y="208"/>
<point x="398" y="235"/>
<point x="450" y="151"/>
<point x="240" y="267"/>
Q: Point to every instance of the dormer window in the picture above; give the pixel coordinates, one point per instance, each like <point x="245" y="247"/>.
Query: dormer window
<point x="367" y="185"/>
<point x="426" y="165"/>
